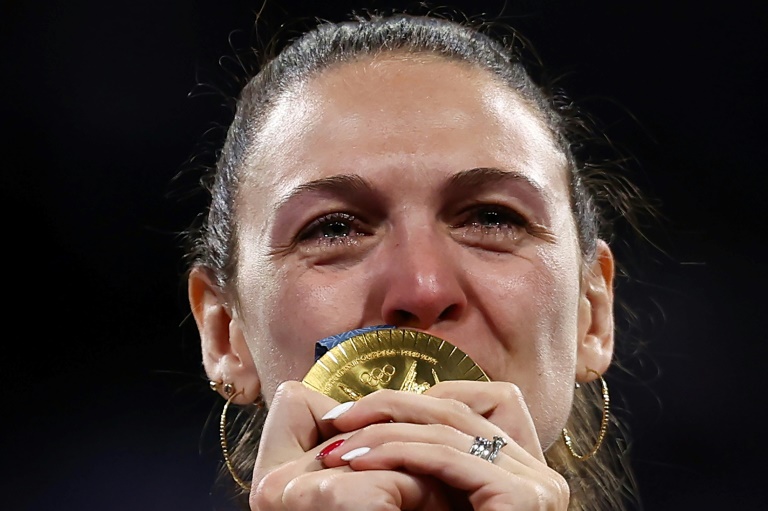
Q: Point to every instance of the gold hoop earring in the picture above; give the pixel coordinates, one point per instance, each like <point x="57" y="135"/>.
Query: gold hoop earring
<point x="229" y="390"/>
<point x="603" y="424"/>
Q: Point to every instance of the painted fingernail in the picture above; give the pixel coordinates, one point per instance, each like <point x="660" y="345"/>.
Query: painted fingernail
<point x="328" y="448"/>
<point x="336" y="411"/>
<point x="355" y="453"/>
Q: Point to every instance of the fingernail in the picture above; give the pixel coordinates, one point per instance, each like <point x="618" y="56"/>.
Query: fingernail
<point x="328" y="448"/>
<point x="355" y="453"/>
<point x="336" y="411"/>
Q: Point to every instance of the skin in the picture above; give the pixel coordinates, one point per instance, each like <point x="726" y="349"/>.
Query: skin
<point x="417" y="192"/>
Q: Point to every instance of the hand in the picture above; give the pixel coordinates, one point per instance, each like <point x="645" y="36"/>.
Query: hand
<point x="430" y="435"/>
<point x="287" y="475"/>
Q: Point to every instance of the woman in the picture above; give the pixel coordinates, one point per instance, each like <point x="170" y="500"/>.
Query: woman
<point x="407" y="171"/>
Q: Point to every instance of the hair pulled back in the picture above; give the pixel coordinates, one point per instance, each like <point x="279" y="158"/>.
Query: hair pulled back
<point x="602" y="482"/>
<point x="329" y="44"/>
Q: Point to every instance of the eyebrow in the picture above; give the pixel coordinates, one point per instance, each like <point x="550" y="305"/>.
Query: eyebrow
<point x="347" y="184"/>
<point x="342" y="184"/>
<point x="486" y="176"/>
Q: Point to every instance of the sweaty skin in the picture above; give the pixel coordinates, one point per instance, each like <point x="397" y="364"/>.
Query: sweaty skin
<point x="420" y="193"/>
<point x="383" y="156"/>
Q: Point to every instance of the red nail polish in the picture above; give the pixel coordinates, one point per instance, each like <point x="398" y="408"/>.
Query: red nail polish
<point x="325" y="452"/>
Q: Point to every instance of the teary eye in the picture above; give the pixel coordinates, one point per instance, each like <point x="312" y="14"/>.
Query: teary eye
<point x="335" y="228"/>
<point x="492" y="217"/>
<point x="493" y="227"/>
<point x="332" y="226"/>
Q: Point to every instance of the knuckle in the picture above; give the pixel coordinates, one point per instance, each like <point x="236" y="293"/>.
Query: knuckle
<point x="553" y="492"/>
<point x="510" y="392"/>
<point x="383" y="394"/>
<point x="545" y="492"/>
<point x="460" y="407"/>
<point x="562" y="490"/>
<point x="445" y="387"/>
<point x="371" y="431"/>
<point x="542" y="498"/>
<point x="445" y="451"/>
<point x="287" y="389"/>
<point x="296" y="495"/>
<point x="444" y="428"/>
<point x="267" y="493"/>
<point x="314" y="491"/>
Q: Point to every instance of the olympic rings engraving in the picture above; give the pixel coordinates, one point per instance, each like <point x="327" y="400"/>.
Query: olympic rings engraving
<point x="378" y="376"/>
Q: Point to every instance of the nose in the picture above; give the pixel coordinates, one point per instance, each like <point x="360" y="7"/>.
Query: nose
<point x="421" y="283"/>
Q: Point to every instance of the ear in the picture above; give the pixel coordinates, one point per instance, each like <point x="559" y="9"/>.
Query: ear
<point x="226" y="357"/>
<point x="595" y="348"/>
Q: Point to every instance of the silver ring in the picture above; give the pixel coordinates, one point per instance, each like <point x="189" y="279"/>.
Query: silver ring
<point x="487" y="449"/>
<point x="481" y="447"/>
<point x="498" y="443"/>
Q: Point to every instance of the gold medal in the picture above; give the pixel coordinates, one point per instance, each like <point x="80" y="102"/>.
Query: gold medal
<point x="398" y="359"/>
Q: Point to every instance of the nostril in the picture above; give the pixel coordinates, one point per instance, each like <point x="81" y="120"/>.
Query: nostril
<point x="450" y="312"/>
<point x="404" y="318"/>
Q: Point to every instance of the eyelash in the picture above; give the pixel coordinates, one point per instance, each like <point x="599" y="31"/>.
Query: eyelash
<point x="508" y="222"/>
<point x="509" y="228"/>
<point x="314" y="231"/>
<point x="506" y="227"/>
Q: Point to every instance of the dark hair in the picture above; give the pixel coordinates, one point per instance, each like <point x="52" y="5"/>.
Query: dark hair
<point x="602" y="482"/>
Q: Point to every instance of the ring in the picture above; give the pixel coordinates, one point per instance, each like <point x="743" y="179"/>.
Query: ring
<point x="487" y="449"/>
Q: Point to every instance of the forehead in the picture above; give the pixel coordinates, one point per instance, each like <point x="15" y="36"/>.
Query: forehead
<point x="403" y="111"/>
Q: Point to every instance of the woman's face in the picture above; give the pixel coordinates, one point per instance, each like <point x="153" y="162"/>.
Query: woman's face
<point x="414" y="192"/>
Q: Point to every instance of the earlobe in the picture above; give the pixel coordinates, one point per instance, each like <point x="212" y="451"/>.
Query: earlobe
<point x="596" y="325"/>
<point x="226" y="357"/>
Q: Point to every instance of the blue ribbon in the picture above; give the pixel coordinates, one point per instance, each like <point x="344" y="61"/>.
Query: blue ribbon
<point x="323" y="345"/>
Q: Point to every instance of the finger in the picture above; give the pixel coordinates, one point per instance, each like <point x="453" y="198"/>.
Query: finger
<point x="388" y="405"/>
<point x="488" y="485"/>
<point x="502" y="403"/>
<point x="405" y="433"/>
<point x="293" y="425"/>
<point x="342" y="490"/>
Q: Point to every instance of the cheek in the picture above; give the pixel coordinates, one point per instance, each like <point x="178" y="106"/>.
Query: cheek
<point x="293" y="308"/>
<point x="556" y="294"/>
<point x="532" y="303"/>
<point x="557" y="284"/>
<point x="261" y="305"/>
<point x="317" y="304"/>
<point x="534" y="317"/>
<point x="559" y="306"/>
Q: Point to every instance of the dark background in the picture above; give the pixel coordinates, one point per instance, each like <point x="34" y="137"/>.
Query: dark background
<point x="104" y="404"/>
